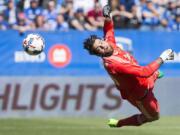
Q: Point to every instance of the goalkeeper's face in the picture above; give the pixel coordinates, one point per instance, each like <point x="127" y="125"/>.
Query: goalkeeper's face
<point x="102" y="48"/>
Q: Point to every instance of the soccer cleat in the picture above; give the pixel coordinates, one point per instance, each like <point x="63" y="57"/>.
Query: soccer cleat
<point x="112" y="122"/>
<point x="160" y="74"/>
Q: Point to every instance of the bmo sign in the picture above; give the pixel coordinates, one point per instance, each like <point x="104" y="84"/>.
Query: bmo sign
<point x="59" y="56"/>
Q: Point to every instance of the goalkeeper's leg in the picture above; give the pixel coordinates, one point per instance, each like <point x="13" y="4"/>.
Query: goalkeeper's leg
<point x="149" y="108"/>
<point x="135" y="120"/>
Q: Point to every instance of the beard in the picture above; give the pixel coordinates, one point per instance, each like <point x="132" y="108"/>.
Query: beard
<point x="106" y="53"/>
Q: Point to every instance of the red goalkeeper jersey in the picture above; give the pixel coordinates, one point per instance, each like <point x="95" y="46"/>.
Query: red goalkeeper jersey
<point x="131" y="79"/>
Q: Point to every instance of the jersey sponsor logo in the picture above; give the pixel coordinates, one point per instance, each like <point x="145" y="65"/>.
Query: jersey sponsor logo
<point x="59" y="55"/>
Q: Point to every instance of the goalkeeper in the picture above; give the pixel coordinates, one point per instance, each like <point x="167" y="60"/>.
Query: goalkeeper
<point x="134" y="82"/>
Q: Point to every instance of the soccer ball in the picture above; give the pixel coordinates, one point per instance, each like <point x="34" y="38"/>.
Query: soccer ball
<point x="33" y="44"/>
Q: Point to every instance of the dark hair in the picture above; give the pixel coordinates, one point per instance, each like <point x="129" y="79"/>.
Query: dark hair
<point x="89" y="42"/>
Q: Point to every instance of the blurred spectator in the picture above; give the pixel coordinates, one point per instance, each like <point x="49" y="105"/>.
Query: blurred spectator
<point x="130" y="7"/>
<point x="2" y="6"/>
<point x="40" y="23"/>
<point x="95" y="16"/>
<point x="61" y="24"/>
<point x="127" y="5"/>
<point x="174" y="25"/>
<point x="3" y="23"/>
<point x="140" y="5"/>
<point x="10" y="13"/>
<point x="20" y="5"/>
<point x="161" y="2"/>
<point x="67" y="10"/>
<point x="118" y="23"/>
<point x="59" y="2"/>
<point x="178" y="3"/>
<point x="33" y="10"/>
<point x="21" y="25"/>
<point x="121" y="17"/>
<point x="169" y="13"/>
<point x="150" y="16"/>
<point x="51" y="12"/>
<point x="87" y="14"/>
<point x="79" y="21"/>
<point x="86" y="5"/>
<point x="103" y="2"/>
<point x="43" y="3"/>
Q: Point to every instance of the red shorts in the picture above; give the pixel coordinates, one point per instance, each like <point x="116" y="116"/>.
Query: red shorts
<point x="149" y="105"/>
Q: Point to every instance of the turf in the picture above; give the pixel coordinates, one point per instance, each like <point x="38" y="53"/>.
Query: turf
<point x="85" y="126"/>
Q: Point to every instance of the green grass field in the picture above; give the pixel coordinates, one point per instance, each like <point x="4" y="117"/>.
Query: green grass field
<point x="85" y="126"/>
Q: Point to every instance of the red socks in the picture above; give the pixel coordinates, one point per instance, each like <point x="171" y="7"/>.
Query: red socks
<point x="135" y="120"/>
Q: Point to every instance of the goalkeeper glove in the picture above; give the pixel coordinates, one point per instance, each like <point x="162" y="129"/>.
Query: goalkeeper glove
<point x="167" y="55"/>
<point x="106" y="11"/>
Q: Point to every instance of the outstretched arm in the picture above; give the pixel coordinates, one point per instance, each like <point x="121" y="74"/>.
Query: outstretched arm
<point x="135" y="70"/>
<point x="108" y="26"/>
<point x="141" y="71"/>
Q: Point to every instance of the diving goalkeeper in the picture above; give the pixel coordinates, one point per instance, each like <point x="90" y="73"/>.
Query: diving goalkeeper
<point x="134" y="82"/>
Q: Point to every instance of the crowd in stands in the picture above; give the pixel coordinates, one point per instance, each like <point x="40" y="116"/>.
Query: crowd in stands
<point x="62" y="15"/>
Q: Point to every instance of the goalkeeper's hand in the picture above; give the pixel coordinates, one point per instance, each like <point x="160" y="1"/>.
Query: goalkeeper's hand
<point x="106" y="11"/>
<point x="167" y="55"/>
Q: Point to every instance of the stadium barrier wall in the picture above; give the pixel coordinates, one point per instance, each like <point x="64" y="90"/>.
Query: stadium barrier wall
<point x="66" y="81"/>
